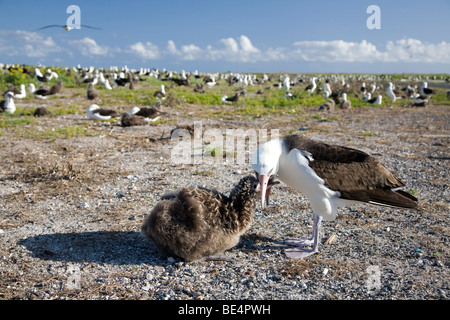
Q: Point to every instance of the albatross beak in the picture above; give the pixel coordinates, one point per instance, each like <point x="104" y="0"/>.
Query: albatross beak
<point x="263" y="182"/>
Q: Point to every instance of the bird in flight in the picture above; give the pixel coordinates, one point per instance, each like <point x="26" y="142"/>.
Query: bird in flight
<point x="66" y="27"/>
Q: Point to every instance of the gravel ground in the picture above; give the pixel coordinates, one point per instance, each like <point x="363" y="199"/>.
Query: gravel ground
<point x="71" y="211"/>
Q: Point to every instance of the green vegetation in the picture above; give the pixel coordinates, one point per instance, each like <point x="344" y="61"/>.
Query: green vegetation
<point x="264" y="99"/>
<point x="202" y="173"/>
<point x="368" y="133"/>
<point x="11" y="122"/>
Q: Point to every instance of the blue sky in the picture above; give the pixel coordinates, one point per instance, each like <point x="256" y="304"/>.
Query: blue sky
<point x="237" y="36"/>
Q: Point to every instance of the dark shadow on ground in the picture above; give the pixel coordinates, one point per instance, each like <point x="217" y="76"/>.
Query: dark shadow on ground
<point x="110" y="247"/>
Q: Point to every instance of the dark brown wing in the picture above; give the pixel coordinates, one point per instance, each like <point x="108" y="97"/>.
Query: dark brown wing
<point x="354" y="173"/>
<point x="106" y="112"/>
<point x="147" y="112"/>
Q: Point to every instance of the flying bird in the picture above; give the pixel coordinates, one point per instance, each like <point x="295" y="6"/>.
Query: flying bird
<point x="329" y="176"/>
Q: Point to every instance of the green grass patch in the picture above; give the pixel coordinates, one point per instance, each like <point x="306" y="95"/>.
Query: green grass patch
<point x="6" y="123"/>
<point x="70" y="109"/>
<point x="64" y="132"/>
<point x="202" y="173"/>
<point x="368" y="133"/>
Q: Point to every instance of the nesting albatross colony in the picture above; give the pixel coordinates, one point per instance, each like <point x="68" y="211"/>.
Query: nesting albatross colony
<point x="78" y="181"/>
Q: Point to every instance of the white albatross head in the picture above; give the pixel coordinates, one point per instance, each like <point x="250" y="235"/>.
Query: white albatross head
<point x="265" y="162"/>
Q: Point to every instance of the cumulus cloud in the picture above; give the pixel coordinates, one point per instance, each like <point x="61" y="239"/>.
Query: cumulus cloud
<point x="244" y="51"/>
<point x="413" y="50"/>
<point x="30" y="44"/>
<point x="335" y="51"/>
<point x="405" y="50"/>
<point x="89" y="47"/>
<point x="36" y="45"/>
<point x="147" y="51"/>
<point x="172" y="48"/>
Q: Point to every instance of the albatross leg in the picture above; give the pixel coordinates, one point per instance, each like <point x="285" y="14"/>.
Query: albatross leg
<point x="301" y="253"/>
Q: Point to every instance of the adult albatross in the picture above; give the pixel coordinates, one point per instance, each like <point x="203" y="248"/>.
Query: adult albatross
<point x="329" y="176"/>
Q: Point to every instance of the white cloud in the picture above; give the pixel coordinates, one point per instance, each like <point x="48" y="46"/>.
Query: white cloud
<point x="413" y="50"/>
<point x="244" y="51"/>
<point x="28" y="43"/>
<point x="405" y="50"/>
<point x="147" y="51"/>
<point x="19" y="43"/>
<point x="89" y="47"/>
<point x="191" y="52"/>
<point x="247" y="45"/>
<point x="335" y="51"/>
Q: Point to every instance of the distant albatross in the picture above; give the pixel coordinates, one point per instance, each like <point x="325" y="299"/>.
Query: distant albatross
<point x="8" y="104"/>
<point x="96" y="113"/>
<point x="150" y="113"/>
<point x="329" y="176"/>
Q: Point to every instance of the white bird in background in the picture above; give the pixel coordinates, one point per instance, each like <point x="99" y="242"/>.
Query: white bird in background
<point x="287" y="83"/>
<point x="150" y="114"/>
<point x="367" y="97"/>
<point x="326" y="89"/>
<point x="363" y="89"/>
<point x="8" y="104"/>
<point x="344" y="103"/>
<point x="329" y="176"/>
<point x="312" y="87"/>
<point x="424" y="90"/>
<point x="376" y="100"/>
<point x="183" y="75"/>
<point x="161" y="94"/>
<point x="212" y="83"/>
<point x="31" y="88"/>
<point x="107" y="85"/>
<point x="96" y="113"/>
<point x="373" y="87"/>
<point x="390" y="92"/>
<point x="103" y="81"/>
<point x="38" y="76"/>
<point x="22" y="94"/>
